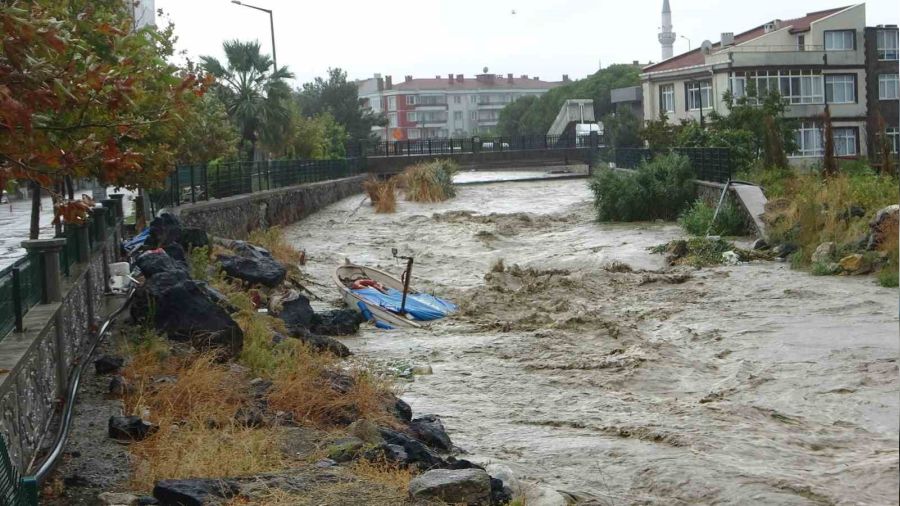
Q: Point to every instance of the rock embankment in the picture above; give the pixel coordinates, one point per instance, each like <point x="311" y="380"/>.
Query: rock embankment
<point x="197" y="318"/>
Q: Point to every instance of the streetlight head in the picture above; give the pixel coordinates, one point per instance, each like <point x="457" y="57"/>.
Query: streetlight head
<point x="238" y="2"/>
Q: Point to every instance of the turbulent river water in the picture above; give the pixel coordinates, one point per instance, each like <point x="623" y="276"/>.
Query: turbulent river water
<point x="751" y="384"/>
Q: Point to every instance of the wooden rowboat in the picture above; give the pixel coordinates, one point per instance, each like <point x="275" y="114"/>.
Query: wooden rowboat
<point x="347" y="273"/>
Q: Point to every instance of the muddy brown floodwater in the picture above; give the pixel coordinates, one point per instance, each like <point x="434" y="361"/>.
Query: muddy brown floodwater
<point x="751" y="384"/>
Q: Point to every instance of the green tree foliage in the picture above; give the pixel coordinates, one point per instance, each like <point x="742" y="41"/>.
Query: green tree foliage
<point x="659" y="133"/>
<point x="829" y="162"/>
<point x="83" y="95"/>
<point x="536" y="114"/>
<point x="623" y="129"/>
<point x="339" y="98"/>
<point x="755" y="128"/>
<point x="255" y="95"/>
<point x="661" y="188"/>
<point x="208" y="134"/>
<point x="317" y="137"/>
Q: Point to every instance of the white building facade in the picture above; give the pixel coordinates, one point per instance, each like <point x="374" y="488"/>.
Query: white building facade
<point x="810" y="61"/>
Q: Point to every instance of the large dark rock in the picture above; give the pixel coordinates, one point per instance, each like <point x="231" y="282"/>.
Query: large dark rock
<point x="297" y="312"/>
<point x="319" y="343"/>
<point x="194" y="492"/>
<point x="181" y="309"/>
<point x="261" y="270"/>
<point x="499" y="493"/>
<point x="401" y="410"/>
<point x="176" y="251"/>
<point x="417" y="453"/>
<point x="345" y="449"/>
<point x="129" y="428"/>
<point x="454" y="486"/>
<point x="152" y="263"/>
<point x="883" y="225"/>
<point x="338" y="322"/>
<point x="165" y="229"/>
<point x="108" y="364"/>
<point x="193" y="238"/>
<point x="430" y="430"/>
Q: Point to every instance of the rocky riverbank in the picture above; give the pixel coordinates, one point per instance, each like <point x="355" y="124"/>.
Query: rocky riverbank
<point x="227" y="386"/>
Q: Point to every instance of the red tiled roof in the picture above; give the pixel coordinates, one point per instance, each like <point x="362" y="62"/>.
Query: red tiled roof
<point x="695" y="57"/>
<point x="471" y="83"/>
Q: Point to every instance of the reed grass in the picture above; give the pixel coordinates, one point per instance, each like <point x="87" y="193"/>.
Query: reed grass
<point x="382" y="194"/>
<point x="429" y="181"/>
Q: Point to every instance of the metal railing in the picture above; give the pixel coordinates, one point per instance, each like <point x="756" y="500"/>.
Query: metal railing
<point x="460" y="145"/>
<point x="711" y="164"/>
<point x="199" y="182"/>
<point x="21" y="288"/>
<point x="13" y="491"/>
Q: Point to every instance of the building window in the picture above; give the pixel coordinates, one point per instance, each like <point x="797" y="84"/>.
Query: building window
<point x="457" y="99"/>
<point x="411" y="117"/>
<point x="801" y="43"/>
<point x="457" y="115"/>
<point x="738" y="86"/>
<point x="413" y="133"/>
<point x="844" y="141"/>
<point x="410" y="100"/>
<point x="886" y="43"/>
<point x="840" y="89"/>
<point x="893" y="135"/>
<point x="473" y="99"/>
<point x="888" y="87"/>
<point x="809" y="140"/>
<point x="392" y="103"/>
<point x="840" y="40"/>
<point x="667" y="98"/>
<point x="392" y="119"/>
<point x="699" y="94"/>
<point x="794" y="86"/>
<point x="473" y="115"/>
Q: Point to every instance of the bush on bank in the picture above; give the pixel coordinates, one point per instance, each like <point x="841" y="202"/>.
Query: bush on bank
<point x="658" y="189"/>
<point x="429" y="181"/>
<point x="698" y="219"/>
<point x="807" y="210"/>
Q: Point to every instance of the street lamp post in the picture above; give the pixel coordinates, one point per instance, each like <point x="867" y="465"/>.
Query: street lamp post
<point x="687" y="39"/>
<point x="271" y="28"/>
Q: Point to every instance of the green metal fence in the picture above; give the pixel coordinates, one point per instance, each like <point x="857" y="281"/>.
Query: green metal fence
<point x="711" y="164"/>
<point x="14" y="491"/>
<point x="194" y="183"/>
<point x="21" y="288"/>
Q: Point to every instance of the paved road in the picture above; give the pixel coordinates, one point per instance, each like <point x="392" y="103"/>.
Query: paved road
<point x="15" y="219"/>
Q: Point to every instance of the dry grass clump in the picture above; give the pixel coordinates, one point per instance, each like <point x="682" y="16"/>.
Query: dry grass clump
<point x="309" y="385"/>
<point x="273" y="240"/>
<point x="382" y="194"/>
<point x="205" y="451"/>
<point x="385" y="473"/>
<point x="429" y="181"/>
<point x="192" y="399"/>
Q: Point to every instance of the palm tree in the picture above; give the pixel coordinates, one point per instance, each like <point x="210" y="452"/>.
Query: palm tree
<point x="255" y="94"/>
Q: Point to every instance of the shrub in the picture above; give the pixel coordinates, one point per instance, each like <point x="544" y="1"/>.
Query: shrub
<point x="200" y="263"/>
<point x="660" y="188"/>
<point x="888" y="277"/>
<point x="696" y="220"/>
<point x="430" y="181"/>
<point x="273" y="240"/>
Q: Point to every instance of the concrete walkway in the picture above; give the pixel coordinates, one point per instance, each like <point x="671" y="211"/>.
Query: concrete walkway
<point x="754" y="201"/>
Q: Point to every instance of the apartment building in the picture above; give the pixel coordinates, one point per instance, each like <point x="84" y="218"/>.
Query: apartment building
<point x="811" y="61"/>
<point x="452" y="106"/>
<point x="883" y="85"/>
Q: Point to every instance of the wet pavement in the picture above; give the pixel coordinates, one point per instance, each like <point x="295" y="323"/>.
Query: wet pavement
<point x="595" y="369"/>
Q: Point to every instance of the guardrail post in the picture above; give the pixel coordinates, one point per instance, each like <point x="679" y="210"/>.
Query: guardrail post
<point x="17" y="298"/>
<point x="81" y="233"/>
<point x="99" y="214"/>
<point x="48" y="252"/>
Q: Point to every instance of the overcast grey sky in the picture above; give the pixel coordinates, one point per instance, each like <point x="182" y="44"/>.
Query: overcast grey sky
<point x="547" y="38"/>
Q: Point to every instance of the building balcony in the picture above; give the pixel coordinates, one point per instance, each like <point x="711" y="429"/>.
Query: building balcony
<point x="761" y="57"/>
<point x="492" y="105"/>
<point x="430" y="107"/>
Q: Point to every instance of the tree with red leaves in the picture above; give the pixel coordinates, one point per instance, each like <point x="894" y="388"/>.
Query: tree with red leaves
<point x="84" y="95"/>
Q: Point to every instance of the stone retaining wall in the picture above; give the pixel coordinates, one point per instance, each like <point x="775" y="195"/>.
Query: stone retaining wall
<point x="35" y="364"/>
<point x="235" y="217"/>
